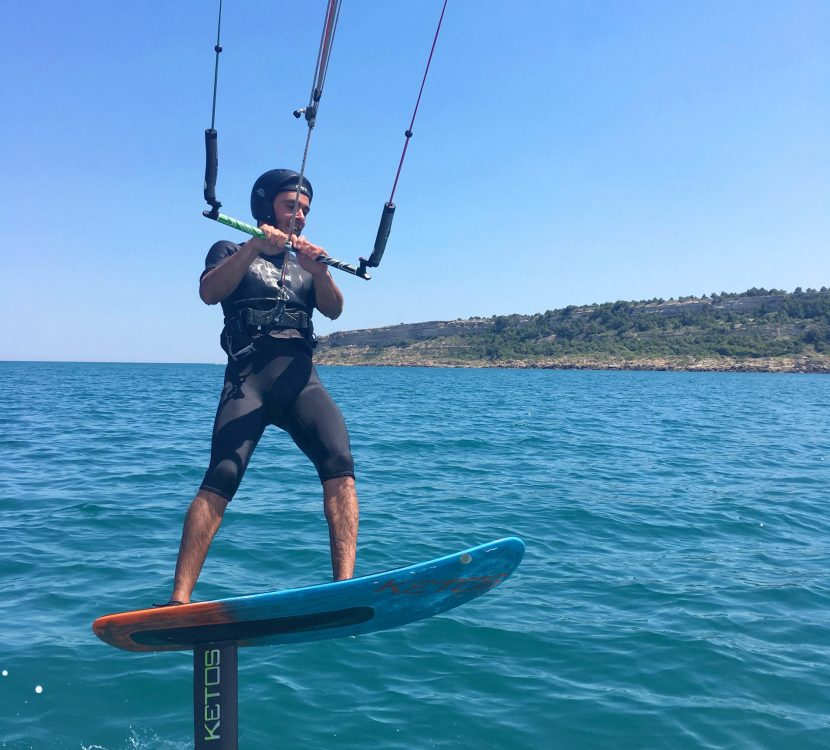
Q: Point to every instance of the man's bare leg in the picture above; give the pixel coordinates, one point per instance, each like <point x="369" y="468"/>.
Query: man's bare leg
<point x="341" y="509"/>
<point x="200" y="526"/>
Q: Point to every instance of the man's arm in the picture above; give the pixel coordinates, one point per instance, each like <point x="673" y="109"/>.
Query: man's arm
<point x="329" y="297"/>
<point x="221" y="280"/>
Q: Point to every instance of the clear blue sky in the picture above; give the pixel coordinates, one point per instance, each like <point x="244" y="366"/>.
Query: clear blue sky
<point x="565" y="153"/>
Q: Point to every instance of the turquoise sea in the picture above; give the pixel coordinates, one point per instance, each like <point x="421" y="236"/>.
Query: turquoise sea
<point x="675" y="592"/>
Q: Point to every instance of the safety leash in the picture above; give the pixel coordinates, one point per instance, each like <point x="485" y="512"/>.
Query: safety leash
<point x="310" y="111"/>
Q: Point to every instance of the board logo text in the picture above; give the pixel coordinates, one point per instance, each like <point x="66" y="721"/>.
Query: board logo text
<point x="213" y="680"/>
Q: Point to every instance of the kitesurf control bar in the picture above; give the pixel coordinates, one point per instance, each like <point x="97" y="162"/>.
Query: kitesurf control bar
<point x="212" y="161"/>
<point x="325" y="259"/>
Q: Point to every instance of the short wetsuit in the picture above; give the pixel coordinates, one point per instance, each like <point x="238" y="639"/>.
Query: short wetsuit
<point x="276" y="384"/>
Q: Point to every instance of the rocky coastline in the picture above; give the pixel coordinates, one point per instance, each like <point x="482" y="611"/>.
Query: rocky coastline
<point x="755" y="331"/>
<point x="365" y="357"/>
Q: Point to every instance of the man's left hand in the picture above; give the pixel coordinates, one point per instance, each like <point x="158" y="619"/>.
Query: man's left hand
<point x="307" y="254"/>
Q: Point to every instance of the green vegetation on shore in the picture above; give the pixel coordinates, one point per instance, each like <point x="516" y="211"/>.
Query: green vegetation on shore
<point x="756" y="329"/>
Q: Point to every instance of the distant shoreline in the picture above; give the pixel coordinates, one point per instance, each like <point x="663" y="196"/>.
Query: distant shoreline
<point x="754" y="331"/>
<point x="799" y="365"/>
<point x="802" y="368"/>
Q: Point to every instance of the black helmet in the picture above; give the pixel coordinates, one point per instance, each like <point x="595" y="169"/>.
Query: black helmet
<point x="267" y="187"/>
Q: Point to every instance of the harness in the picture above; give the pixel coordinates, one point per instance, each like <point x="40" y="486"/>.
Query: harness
<point x="247" y="326"/>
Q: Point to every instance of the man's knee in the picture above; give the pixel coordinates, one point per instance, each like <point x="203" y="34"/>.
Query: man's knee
<point x="222" y="479"/>
<point x="336" y="464"/>
<point x="210" y="502"/>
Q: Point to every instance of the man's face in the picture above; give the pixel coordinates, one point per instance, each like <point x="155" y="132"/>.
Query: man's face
<point x="283" y="208"/>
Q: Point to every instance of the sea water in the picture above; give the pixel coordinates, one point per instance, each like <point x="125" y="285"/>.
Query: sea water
<point x="675" y="592"/>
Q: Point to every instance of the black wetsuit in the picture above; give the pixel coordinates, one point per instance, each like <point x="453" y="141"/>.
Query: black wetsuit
<point x="276" y="383"/>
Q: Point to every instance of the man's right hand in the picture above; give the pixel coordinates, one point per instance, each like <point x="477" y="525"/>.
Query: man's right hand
<point x="272" y="244"/>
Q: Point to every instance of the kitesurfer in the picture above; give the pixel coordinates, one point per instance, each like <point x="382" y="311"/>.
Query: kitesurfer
<point x="268" y="298"/>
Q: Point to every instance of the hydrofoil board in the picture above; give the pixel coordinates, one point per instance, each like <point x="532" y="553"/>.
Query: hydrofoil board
<point x="329" y="610"/>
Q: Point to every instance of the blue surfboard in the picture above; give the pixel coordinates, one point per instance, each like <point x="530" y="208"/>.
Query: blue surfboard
<point x="330" y="610"/>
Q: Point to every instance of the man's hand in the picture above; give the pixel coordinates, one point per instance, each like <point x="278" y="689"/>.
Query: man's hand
<point x="329" y="297"/>
<point x="307" y="254"/>
<point x="272" y="244"/>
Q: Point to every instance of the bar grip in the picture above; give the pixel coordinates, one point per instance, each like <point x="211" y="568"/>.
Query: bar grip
<point x="256" y="232"/>
<point x="211" y="168"/>
<point x="382" y="237"/>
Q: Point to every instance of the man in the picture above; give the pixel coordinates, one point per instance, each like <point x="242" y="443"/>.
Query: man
<point x="270" y="377"/>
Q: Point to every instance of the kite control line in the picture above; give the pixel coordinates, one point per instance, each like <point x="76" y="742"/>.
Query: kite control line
<point x="211" y="155"/>
<point x="388" y="214"/>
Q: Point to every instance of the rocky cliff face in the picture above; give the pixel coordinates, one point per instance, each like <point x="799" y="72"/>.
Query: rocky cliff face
<point x="405" y="333"/>
<point x="747" y="325"/>
<point x="743" y="305"/>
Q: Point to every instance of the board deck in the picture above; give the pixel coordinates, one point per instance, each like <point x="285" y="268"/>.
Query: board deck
<point x="330" y="610"/>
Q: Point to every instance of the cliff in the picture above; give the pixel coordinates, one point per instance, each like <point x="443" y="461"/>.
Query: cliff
<point x="751" y="331"/>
